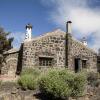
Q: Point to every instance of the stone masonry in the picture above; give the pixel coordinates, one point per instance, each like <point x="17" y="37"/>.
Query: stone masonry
<point x="78" y="51"/>
<point x="51" y="45"/>
<point x="11" y="61"/>
<point x="57" y="49"/>
<point x="61" y="48"/>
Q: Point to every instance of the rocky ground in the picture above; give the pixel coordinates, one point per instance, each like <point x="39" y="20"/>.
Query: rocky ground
<point x="11" y="91"/>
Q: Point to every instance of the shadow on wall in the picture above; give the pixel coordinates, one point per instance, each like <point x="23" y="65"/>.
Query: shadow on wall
<point x="98" y="63"/>
<point x="19" y="64"/>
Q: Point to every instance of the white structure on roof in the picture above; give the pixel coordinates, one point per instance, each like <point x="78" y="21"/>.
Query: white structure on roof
<point x="84" y="41"/>
<point x="28" y="34"/>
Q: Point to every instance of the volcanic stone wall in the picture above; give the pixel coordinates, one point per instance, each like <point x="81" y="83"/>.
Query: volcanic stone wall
<point x="10" y="65"/>
<point x="49" y="45"/>
<point x="78" y="50"/>
<point x="60" y="46"/>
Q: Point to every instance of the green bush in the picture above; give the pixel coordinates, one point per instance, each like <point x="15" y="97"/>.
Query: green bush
<point x="92" y="78"/>
<point x="54" y="86"/>
<point x="31" y="71"/>
<point x="29" y="78"/>
<point x="62" y="84"/>
<point x="27" y="82"/>
<point x="80" y="81"/>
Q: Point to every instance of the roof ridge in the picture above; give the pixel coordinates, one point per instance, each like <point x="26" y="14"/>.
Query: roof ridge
<point x="56" y="31"/>
<point x="83" y="44"/>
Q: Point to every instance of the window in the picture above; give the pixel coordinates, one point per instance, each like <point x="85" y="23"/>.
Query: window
<point x="84" y="64"/>
<point x="45" y="61"/>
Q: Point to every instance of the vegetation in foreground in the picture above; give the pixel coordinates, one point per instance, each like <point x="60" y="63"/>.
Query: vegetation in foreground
<point x="5" y="44"/>
<point x="29" y="79"/>
<point x="56" y="83"/>
<point x="62" y="84"/>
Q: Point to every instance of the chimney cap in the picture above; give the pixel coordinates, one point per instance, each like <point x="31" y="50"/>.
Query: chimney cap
<point x="69" y="21"/>
<point x="84" y="38"/>
<point x="84" y="41"/>
<point x="29" y="26"/>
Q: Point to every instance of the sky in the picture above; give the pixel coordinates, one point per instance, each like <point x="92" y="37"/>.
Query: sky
<point x="48" y="15"/>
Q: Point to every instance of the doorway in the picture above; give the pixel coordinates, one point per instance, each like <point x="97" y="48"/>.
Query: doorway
<point x="76" y="65"/>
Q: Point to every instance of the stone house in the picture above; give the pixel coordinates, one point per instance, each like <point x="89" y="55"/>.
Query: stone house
<point x="57" y="49"/>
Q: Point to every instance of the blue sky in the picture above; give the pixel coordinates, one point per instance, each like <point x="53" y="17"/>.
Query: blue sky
<point x="15" y="14"/>
<point x="47" y="15"/>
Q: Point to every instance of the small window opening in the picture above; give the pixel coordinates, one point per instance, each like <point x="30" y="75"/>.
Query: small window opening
<point x="84" y="65"/>
<point x="45" y="61"/>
